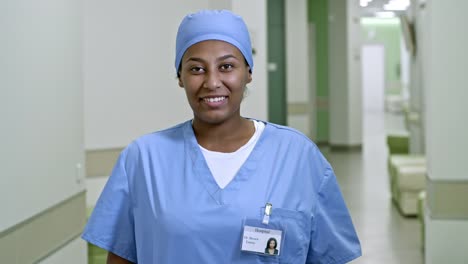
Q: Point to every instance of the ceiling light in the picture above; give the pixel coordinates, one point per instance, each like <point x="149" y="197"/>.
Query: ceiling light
<point x="364" y="3"/>
<point x="397" y="5"/>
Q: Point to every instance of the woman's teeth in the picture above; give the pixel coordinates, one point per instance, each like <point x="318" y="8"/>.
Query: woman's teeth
<point x="214" y="99"/>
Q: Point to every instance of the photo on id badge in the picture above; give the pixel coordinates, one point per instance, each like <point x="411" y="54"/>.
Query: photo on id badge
<point x="261" y="240"/>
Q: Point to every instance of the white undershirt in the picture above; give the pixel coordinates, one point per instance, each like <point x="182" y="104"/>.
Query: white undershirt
<point x="224" y="166"/>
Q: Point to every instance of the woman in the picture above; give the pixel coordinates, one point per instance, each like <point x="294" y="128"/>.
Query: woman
<point x="190" y="193"/>
<point x="271" y="247"/>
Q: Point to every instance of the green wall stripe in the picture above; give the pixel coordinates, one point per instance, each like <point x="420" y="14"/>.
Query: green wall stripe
<point x="39" y="236"/>
<point x="101" y="162"/>
<point x="447" y="199"/>
<point x="318" y="15"/>
<point x="277" y="55"/>
<point x="322" y="121"/>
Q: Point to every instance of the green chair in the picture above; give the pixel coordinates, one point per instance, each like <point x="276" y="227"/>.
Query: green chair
<point x="398" y="143"/>
<point x="421" y="215"/>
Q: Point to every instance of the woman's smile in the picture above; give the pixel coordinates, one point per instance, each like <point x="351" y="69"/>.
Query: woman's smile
<point x="214" y="101"/>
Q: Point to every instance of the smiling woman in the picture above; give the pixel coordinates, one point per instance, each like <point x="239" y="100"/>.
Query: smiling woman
<point x="214" y="76"/>
<point x="192" y="193"/>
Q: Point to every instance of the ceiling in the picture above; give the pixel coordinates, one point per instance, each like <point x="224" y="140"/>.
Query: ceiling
<point x="376" y="6"/>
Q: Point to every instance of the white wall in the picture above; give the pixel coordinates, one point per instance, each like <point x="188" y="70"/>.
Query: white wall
<point x="445" y="90"/>
<point x="443" y="43"/>
<point x="345" y="73"/>
<point x="297" y="61"/>
<point x="40" y="106"/>
<point x="220" y="4"/>
<point x="130" y="80"/>
<point x="446" y="241"/>
<point x="94" y="187"/>
<point x="354" y="110"/>
<point x="254" y="14"/>
<point x="297" y="50"/>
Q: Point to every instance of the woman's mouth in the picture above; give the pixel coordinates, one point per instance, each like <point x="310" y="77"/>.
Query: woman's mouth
<point x="214" y="99"/>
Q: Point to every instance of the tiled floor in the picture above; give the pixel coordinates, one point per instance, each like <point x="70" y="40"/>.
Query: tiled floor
<point x="385" y="235"/>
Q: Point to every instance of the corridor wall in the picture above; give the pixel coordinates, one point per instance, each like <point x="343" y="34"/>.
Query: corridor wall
<point x="445" y="94"/>
<point x="419" y="64"/>
<point x="344" y="74"/>
<point x="42" y="154"/>
<point x="298" y="88"/>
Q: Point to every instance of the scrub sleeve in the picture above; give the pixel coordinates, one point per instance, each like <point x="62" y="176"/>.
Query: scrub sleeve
<point x="112" y="225"/>
<point x="333" y="238"/>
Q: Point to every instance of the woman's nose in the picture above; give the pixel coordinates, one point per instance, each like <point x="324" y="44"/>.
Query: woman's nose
<point x="212" y="80"/>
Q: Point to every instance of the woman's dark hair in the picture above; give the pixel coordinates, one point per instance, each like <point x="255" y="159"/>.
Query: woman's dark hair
<point x="268" y="243"/>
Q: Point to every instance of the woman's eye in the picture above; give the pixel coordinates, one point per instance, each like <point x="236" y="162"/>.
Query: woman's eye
<point x="196" y="69"/>
<point x="226" y="66"/>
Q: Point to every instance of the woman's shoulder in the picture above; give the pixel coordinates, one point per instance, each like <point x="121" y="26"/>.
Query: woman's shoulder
<point x="167" y="134"/>
<point x="158" y="140"/>
<point x="289" y="134"/>
<point x="293" y="141"/>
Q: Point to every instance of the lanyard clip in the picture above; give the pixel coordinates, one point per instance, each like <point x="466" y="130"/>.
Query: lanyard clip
<point x="266" y="215"/>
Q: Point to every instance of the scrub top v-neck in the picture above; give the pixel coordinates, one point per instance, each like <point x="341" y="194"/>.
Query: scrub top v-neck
<point x="225" y="165"/>
<point x="162" y="205"/>
<point x="222" y="196"/>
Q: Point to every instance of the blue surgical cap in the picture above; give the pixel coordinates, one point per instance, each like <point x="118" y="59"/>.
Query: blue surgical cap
<point x="213" y="25"/>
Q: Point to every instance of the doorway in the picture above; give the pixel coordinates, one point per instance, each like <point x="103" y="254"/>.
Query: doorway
<point x="373" y="77"/>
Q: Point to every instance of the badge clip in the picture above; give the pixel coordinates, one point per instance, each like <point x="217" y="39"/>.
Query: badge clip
<point x="266" y="215"/>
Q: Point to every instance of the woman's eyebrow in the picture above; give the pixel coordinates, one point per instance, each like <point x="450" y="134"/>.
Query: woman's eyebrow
<point x="227" y="56"/>
<point x="195" y="59"/>
<point x="224" y="57"/>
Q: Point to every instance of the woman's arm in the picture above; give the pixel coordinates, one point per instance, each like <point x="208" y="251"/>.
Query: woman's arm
<point x="114" y="259"/>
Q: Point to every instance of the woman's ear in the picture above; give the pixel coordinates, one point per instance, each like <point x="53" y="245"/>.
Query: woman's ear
<point x="249" y="77"/>
<point x="181" y="84"/>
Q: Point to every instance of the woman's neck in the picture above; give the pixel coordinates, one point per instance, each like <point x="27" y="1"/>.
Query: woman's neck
<point x="224" y="137"/>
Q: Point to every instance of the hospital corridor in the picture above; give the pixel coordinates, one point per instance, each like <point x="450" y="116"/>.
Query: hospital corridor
<point x="386" y="235"/>
<point x="379" y="86"/>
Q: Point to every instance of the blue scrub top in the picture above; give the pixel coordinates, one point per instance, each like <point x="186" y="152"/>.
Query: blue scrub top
<point x="162" y="205"/>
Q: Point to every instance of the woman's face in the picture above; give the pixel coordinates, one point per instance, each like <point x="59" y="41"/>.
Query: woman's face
<point x="214" y="75"/>
<point x="272" y="244"/>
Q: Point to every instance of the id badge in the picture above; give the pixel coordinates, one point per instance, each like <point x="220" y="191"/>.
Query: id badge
<point x="262" y="237"/>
